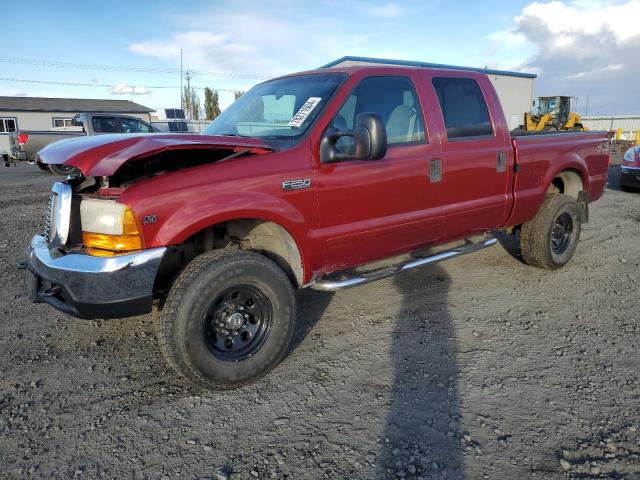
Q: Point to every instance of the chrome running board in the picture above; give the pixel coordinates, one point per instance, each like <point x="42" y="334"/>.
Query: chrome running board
<point x="332" y="285"/>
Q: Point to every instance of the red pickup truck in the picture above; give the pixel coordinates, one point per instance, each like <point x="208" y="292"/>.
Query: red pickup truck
<point x="301" y="180"/>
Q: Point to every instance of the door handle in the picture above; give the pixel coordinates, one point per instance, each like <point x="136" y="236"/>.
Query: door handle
<point x="435" y="170"/>
<point x="502" y="162"/>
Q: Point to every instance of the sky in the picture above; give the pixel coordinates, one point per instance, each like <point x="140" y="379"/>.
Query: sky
<point x="588" y="49"/>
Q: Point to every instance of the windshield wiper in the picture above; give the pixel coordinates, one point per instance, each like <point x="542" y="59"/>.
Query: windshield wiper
<point x="237" y="135"/>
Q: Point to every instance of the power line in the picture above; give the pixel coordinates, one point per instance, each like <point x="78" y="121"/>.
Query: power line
<point x="77" y="84"/>
<point x="120" y="68"/>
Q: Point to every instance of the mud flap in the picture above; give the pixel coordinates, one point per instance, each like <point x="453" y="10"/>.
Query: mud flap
<point x="584" y="206"/>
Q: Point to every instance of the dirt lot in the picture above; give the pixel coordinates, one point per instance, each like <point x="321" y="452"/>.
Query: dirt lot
<point x="477" y="368"/>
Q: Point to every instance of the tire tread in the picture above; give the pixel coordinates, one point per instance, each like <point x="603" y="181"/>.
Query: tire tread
<point x="534" y="242"/>
<point x="173" y="353"/>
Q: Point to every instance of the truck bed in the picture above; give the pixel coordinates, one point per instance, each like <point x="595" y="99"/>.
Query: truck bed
<point x="542" y="155"/>
<point x="517" y="132"/>
<point x="38" y="139"/>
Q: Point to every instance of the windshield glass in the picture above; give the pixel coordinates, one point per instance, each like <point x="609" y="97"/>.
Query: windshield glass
<point x="278" y="112"/>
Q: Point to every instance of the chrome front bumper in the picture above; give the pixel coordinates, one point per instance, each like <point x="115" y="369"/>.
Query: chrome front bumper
<point x="92" y="287"/>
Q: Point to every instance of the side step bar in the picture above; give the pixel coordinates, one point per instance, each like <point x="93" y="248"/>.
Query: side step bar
<point x="331" y="285"/>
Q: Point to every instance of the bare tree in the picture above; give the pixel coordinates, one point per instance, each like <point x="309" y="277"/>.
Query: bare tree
<point x="237" y="94"/>
<point x="190" y="99"/>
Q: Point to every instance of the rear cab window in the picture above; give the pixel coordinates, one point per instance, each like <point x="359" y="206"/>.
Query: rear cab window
<point x="463" y="108"/>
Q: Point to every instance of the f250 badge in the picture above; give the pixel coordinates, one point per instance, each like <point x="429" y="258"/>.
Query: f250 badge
<point x="298" y="184"/>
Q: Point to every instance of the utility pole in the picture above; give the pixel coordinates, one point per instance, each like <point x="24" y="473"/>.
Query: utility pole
<point x="586" y="113"/>
<point x="181" y="79"/>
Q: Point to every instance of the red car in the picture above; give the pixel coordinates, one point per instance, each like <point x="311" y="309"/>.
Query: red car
<point x="304" y="177"/>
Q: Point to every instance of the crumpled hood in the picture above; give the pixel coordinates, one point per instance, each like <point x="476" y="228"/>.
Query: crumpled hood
<point x="102" y="155"/>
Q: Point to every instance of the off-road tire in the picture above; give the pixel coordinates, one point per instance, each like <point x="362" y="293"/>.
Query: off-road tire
<point x="536" y="235"/>
<point x="179" y="324"/>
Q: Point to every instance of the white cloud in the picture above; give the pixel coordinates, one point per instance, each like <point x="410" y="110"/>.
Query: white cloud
<point x="584" y="48"/>
<point x="124" y="88"/>
<point x="267" y="40"/>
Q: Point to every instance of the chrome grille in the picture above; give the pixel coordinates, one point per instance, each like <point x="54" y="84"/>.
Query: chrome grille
<point x="47" y="221"/>
<point x="59" y="218"/>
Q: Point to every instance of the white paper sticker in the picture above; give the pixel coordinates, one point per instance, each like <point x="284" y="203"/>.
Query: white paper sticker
<point x="304" y="111"/>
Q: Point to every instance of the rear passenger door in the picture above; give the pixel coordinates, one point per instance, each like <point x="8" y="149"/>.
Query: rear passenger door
<point x="475" y="157"/>
<point x="375" y="209"/>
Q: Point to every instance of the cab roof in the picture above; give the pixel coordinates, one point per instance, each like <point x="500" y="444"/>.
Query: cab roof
<point x="370" y="61"/>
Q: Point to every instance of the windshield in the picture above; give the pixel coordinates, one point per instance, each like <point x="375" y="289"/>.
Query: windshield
<point x="278" y="112"/>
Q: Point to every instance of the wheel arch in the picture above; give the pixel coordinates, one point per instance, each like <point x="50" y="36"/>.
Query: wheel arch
<point x="273" y="240"/>
<point x="261" y="234"/>
<point x="569" y="181"/>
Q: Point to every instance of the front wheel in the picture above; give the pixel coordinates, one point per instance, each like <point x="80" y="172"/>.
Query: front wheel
<point x="228" y="319"/>
<point x="549" y="240"/>
<point x="62" y="170"/>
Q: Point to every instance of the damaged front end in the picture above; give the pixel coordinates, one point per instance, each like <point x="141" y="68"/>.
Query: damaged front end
<point x="90" y="260"/>
<point x="61" y="271"/>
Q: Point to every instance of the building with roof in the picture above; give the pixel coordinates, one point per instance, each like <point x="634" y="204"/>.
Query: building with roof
<point x="38" y="113"/>
<point x="514" y="89"/>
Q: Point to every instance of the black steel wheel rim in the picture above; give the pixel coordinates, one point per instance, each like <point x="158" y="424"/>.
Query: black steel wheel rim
<point x="561" y="233"/>
<point x="237" y="322"/>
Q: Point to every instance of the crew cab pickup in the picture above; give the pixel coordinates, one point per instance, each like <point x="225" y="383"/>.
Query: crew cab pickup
<point x="302" y="180"/>
<point x="25" y="144"/>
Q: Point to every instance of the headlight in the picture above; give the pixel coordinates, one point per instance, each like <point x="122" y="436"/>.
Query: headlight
<point x="629" y="155"/>
<point x="108" y="228"/>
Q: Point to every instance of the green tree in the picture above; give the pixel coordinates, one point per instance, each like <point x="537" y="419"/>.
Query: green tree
<point x="211" y="103"/>
<point x="195" y="105"/>
<point x="237" y="94"/>
<point x="208" y="103"/>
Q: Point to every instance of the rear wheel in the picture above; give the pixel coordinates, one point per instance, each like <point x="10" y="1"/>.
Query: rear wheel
<point x="550" y="239"/>
<point x="228" y="319"/>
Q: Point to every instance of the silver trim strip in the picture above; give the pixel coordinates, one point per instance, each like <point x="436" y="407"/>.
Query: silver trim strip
<point x="63" y="210"/>
<point x="624" y="167"/>
<point x="333" y="285"/>
<point x="77" y="262"/>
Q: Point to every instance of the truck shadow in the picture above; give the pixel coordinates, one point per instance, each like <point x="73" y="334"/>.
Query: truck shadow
<point x="511" y="244"/>
<point x="311" y="305"/>
<point x="422" y="435"/>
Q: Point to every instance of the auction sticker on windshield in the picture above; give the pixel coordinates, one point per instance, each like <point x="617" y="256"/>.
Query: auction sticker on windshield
<point x="299" y="118"/>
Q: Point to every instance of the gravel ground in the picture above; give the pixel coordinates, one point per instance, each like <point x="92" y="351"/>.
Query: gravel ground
<point x="477" y="368"/>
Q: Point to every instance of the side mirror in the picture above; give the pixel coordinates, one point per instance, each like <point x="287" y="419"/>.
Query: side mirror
<point x="369" y="137"/>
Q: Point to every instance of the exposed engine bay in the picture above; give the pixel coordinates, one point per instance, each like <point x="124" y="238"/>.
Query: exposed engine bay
<point x="137" y="169"/>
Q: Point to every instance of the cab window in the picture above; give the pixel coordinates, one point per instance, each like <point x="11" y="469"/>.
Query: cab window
<point x="394" y="99"/>
<point x="131" y="125"/>
<point x="463" y="108"/>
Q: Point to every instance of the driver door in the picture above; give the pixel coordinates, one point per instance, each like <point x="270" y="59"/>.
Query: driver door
<point x="373" y="209"/>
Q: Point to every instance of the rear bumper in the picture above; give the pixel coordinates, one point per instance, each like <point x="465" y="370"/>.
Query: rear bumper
<point x="630" y="176"/>
<point x="19" y="154"/>
<point x="92" y="287"/>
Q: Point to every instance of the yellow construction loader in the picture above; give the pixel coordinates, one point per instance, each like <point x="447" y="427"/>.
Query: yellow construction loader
<point x="554" y="113"/>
